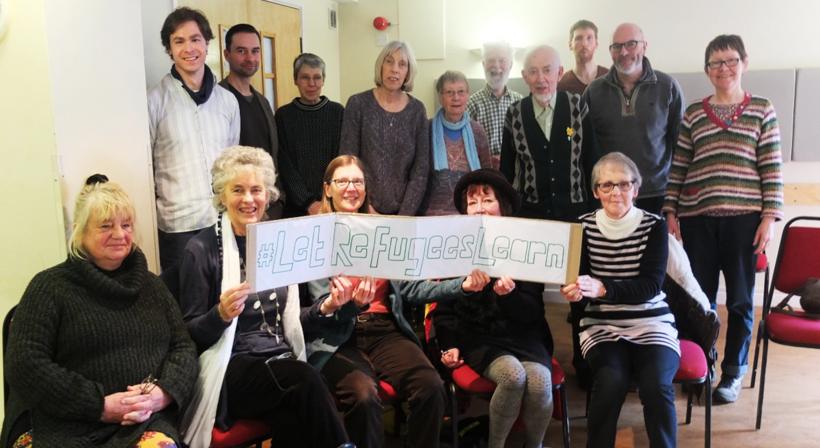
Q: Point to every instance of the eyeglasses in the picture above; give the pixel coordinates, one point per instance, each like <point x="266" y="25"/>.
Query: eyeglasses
<point x="343" y="183"/>
<point x="317" y="79"/>
<point x="629" y="45"/>
<point x="451" y="93"/>
<point x="608" y="186"/>
<point x="147" y="385"/>
<point x="715" y="65"/>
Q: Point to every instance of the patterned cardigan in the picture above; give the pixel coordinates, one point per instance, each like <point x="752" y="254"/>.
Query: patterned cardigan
<point x="552" y="176"/>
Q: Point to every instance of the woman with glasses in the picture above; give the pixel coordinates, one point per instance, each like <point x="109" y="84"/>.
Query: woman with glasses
<point x="357" y="333"/>
<point x="725" y="192"/>
<point x="98" y="354"/>
<point x="387" y="129"/>
<point x="255" y="337"/>
<point x="627" y="326"/>
<point x="458" y="145"/>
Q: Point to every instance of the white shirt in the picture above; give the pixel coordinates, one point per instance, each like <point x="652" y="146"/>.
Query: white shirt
<point x="185" y="141"/>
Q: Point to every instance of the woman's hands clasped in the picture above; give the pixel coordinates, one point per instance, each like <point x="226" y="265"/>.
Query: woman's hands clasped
<point x="132" y="406"/>
<point x="342" y="291"/>
<point x="451" y="358"/>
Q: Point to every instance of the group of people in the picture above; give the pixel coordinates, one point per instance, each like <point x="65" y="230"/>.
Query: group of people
<point x="102" y="353"/>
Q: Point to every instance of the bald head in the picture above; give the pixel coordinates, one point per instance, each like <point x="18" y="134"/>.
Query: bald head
<point x="542" y="69"/>
<point x="627" y="49"/>
<point x="543" y="50"/>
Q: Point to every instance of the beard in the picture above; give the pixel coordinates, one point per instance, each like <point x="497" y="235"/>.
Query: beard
<point x="628" y="66"/>
<point x="543" y="99"/>
<point x="496" y="79"/>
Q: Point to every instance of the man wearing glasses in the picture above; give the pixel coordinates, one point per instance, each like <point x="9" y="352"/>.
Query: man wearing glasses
<point x="637" y="110"/>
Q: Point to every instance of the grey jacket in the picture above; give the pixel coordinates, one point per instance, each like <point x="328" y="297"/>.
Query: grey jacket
<point x="644" y="125"/>
<point x="324" y="334"/>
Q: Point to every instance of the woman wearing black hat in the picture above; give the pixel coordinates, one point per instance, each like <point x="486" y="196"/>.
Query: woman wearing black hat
<point x="500" y="332"/>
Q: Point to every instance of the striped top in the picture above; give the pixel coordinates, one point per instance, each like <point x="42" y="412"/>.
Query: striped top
<point x="725" y="168"/>
<point x="632" y="271"/>
<point x="186" y="138"/>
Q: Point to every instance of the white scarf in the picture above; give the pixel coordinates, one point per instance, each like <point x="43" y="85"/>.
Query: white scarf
<point x="616" y="229"/>
<point x="200" y="416"/>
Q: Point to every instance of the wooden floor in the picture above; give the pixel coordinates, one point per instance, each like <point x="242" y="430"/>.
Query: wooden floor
<point x="791" y="415"/>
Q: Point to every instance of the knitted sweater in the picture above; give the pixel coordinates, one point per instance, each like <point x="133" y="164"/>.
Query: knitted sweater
<point x="632" y="270"/>
<point x="309" y="137"/>
<point x="394" y="148"/>
<point x="723" y="169"/>
<point x="80" y="335"/>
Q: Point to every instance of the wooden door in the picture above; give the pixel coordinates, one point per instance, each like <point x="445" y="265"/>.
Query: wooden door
<point x="281" y="29"/>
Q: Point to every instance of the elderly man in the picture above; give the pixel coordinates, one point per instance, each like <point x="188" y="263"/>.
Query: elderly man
<point x="637" y="110"/>
<point x="583" y="41"/>
<point x="488" y="105"/>
<point x="258" y="128"/>
<point x="310" y="129"/>
<point x="191" y="121"/>
<point x="548" y="147"/>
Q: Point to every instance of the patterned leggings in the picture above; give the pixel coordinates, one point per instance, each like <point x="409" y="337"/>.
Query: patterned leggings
<point x="149" y="439"/>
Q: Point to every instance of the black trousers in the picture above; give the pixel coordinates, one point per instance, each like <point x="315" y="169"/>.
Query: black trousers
<point x="296" y="405"/>
<point x="171" y="246"/>
<point x="377" y="350"/>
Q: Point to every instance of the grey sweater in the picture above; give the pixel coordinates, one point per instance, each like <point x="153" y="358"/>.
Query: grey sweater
<point x="643" y="125"/>
<point x="394" y="148"/>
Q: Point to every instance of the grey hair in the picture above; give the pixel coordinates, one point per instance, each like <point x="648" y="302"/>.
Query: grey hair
<point x="99" y="201"/>
<point x="504" y="45"/>
<point x="412" y="66"/>
<point x="451" y="76"/>
<point x="238" y="160"/>
<point x="543" y="47"/>
<point x="616" y="161"/>
<point x="309" y="59"/>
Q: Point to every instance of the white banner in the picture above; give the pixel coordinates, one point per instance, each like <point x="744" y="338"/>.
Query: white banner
<point x="404" y="248"/>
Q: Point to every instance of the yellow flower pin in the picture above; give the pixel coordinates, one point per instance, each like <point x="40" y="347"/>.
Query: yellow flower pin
<point x="569" y="133"/>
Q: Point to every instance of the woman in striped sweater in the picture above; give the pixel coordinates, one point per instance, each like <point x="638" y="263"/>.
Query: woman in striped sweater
<point x="726" y="190"/>
<point x="627" y="326"/>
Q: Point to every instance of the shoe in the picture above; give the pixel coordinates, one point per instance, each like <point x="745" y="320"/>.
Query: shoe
<point x="728" y="389"/>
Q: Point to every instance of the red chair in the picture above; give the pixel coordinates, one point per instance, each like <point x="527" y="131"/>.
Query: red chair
<point x="465" y="380"/>
<point x="241" y="434"/>
<point x="797" y="261"/>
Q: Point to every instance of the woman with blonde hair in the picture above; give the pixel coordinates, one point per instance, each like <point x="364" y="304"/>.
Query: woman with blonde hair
<point x="98" y="354"/>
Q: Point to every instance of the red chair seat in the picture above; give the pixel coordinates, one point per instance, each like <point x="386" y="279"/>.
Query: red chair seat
<point x="387" y="393"/>
<point x="242" y="432"/>
<point x="693" y="364"/>
<point x="796" y="330"/>
<point x="467" y="379"/>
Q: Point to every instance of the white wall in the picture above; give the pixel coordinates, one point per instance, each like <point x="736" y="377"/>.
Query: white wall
<point x="101" y="121"/>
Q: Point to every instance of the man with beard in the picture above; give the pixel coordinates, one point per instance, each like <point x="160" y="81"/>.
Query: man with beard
<point x="583" y="41"/>
<point x="258" y="129"/>
<point x="548" y="146"/>
<point x="637" y="110"/>
<point x="488" y="105"/>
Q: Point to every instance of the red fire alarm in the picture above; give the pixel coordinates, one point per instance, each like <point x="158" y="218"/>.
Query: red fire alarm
<point x="380" y="23"/>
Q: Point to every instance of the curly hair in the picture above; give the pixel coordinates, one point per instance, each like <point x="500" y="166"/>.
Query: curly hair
<point x="238" y="160"/>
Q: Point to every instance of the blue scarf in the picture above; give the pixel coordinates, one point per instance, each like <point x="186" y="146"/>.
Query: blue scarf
<point x="440" y="148"/>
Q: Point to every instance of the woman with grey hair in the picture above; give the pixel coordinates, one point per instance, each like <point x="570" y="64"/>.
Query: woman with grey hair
<point x="458" y="145"/>
<point x="387" y="129"/>
<point x="259" y="333"/>
<point x="98" y="354"/>
<point x="627" y="326"/>
<point x="310" y="129"/>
